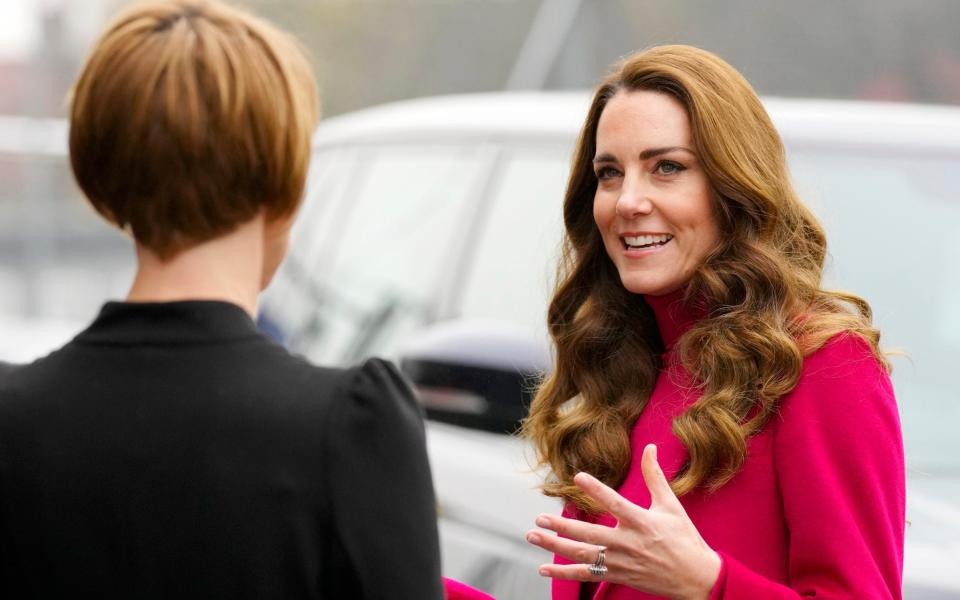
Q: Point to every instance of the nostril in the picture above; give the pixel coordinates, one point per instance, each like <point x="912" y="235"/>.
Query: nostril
<point x="627" y="206"/>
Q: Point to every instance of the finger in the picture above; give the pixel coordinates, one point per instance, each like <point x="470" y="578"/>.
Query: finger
<point x="577" y="552"/>
<point x="660" y="492"/>
<point x="579" y="572"/>
<point x="577" y="530"/>
<point x="612" y="502"/>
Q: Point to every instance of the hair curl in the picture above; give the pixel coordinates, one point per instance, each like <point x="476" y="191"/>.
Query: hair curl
<point x="760" y="291"/>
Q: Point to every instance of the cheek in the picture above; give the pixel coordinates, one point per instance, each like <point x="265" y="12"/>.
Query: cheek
<point x="603" y="211"/>
<point x="698" y="219"/>
<point x="708" y="234"/>
<point x="711" y="221"/>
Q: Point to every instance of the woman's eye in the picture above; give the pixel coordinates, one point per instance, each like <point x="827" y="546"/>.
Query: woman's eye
<point x="668" y="167"/>
<point x="604" y="173"/>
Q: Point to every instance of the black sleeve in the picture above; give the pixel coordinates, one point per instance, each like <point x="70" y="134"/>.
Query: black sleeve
<point x="384" y="509"/>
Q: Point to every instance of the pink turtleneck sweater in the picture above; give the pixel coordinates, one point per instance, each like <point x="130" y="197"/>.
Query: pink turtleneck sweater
<point x="817" y="511"/>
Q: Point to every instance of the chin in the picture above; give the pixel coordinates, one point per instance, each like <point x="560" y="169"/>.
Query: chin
<point x="649" y="287"/>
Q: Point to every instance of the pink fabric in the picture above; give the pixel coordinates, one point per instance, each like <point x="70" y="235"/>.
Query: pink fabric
<point x="818" y="509"/>
<point x="461" y="591"/>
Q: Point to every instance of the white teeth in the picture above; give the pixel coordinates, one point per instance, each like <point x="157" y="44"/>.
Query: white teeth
<point x="647" y="240"/>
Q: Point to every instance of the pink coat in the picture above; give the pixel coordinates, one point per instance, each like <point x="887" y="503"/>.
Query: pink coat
<point x="454" y="590"/>
<point x="817" y="510"/>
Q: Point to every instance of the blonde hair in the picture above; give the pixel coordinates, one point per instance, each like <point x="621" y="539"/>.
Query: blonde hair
<point x="189" y="118"/>
<point x="760" y="291"/>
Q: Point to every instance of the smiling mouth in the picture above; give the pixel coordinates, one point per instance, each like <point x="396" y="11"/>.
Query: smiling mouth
<point x="644" y="242"/>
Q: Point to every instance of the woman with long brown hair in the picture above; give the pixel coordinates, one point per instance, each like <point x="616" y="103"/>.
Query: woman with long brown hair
<point x="743" y="414"/>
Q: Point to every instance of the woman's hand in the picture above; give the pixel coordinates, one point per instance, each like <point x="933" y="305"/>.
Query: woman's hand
<point x="658" y="551"/>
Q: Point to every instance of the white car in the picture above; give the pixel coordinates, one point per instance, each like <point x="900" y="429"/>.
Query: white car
<point x="430" y="234"/>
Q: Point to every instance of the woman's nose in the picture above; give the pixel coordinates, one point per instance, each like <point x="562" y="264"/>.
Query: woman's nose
<point x="634" y="201"/>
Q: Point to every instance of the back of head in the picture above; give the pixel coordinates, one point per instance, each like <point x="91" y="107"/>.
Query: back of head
<point x="188" y="119"/>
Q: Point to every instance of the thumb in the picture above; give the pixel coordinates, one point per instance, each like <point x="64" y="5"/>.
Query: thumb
<point x="660" y="492"/>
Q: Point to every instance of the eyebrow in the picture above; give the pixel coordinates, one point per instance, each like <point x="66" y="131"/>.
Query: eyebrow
<point x="645" y="155"/>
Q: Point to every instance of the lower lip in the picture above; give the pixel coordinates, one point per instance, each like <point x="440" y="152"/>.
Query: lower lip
<point x="641" y="252"/>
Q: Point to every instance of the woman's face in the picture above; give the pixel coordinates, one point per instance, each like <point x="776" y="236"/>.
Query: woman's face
<point x="653" y="202"/>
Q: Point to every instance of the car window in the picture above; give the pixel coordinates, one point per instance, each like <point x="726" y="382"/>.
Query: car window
<point x="394" y="234"/>
<point x="512" y="266"/>
<point x="893" y="228"/>
<point x="328" y="181"/>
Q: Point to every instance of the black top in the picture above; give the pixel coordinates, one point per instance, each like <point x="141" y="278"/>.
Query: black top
<point x="5" y="368"/>
<point x="171" y="451"/>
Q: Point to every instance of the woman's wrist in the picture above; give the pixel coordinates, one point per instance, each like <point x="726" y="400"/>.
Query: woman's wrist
<point x="705" y="577"/>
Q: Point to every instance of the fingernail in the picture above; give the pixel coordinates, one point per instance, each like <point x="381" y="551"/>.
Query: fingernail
<point x="543" y="522"/>
<point x="543" y="572"/>
<point x="533" y="538"/>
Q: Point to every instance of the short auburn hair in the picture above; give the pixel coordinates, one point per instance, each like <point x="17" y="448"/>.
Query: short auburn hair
<point x="188" y="119"/>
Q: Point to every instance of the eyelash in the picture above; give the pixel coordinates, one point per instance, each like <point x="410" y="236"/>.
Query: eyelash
<point x="675" y="166"/>
<point x="604" y="173"/>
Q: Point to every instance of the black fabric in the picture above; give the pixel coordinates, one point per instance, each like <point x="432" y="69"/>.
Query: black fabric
<point x="5" y="368"/>
<point x="172" y="451"/>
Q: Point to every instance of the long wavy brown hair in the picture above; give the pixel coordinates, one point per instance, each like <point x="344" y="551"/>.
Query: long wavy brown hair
<point x="760" y="290"/>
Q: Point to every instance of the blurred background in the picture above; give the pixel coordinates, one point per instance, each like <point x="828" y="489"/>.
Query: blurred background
<point x="368" y="52"/>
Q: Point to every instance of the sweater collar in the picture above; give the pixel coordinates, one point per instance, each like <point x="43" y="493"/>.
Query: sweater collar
<point x="181" y="322"/>
<point x="673" y="318"/>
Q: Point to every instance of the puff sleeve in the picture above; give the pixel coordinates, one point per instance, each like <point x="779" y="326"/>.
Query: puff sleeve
<point x="383" y="504"/>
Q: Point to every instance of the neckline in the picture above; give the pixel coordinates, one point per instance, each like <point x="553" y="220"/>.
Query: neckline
<point x="177" y="322"/>
<point x="674" y="318"/>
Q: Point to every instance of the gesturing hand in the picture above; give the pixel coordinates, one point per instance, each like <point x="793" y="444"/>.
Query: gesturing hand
<point x="656" y="550"/>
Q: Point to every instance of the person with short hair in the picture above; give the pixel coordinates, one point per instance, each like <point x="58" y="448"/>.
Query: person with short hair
<point x="718" y="424"/>
<point x="171" y="449"/>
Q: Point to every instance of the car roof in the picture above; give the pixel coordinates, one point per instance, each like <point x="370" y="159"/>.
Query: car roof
<point x="557" y="116"/>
